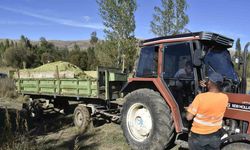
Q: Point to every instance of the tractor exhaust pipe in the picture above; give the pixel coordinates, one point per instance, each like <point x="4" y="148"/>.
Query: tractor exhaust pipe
<point x="244" y="71"/>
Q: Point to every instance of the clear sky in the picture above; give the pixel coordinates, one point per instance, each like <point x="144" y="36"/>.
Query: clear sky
<point x="76" y="19"/>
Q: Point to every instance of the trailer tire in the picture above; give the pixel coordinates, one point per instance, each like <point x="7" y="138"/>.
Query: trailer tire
<point x="81" y="118"/>
<point x="147" y="122"/>
<point x="237" y="145"/>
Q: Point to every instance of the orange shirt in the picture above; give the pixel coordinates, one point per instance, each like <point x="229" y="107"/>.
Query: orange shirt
<point x="208" y="109"/>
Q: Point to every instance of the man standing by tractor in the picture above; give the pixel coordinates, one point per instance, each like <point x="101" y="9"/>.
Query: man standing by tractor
<point x="207" y="111"/>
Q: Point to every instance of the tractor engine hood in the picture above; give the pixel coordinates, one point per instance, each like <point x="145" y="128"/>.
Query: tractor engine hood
<point x="239" y="107"/>
<point x="239" y="102"/>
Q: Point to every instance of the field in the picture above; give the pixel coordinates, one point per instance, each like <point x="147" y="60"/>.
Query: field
<point x="55" y="131"/>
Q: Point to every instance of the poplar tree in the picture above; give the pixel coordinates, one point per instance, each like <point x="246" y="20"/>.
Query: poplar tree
<point x="119" y="21"/>
<point x="118" y="18"/>
<point x="93" y="38"/>
<point x="170" y="18"/>
<point x="238" y="47"/>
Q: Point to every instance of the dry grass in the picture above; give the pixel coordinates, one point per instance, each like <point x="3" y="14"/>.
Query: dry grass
<point x="7" y="88"/>
<point x="13" y="130"/>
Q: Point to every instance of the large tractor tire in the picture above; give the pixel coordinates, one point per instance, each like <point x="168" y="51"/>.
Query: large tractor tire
<point x="147" y="122"/>
<point x="81" y="118"/>
<point x="237" y="145"/>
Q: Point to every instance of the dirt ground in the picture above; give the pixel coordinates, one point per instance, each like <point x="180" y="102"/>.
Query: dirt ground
<point x="56" y="131"/>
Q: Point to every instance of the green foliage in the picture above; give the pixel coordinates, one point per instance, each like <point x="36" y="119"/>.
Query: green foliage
<point x="78" y="57"/>
<point x="15" y="57"/>
<point x="171" y="19"/>
<point x="25" y="54"/>
<point x="238" y="48"/>
<point x="92" y="62"/>
<point x="25" y="42"/>
<point x="106" y="52"/>
<point x="130" y="49"/>
<point x="118" y="18"/>
<point x="119" y="21"/>
<point x="93" y="38"/>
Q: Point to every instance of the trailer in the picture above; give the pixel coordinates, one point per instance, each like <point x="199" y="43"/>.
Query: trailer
<point x="95" y="93"/>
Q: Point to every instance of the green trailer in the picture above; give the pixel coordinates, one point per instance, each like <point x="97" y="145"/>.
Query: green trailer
<point x="105" y="83"/>
<point x="95" y="92"/>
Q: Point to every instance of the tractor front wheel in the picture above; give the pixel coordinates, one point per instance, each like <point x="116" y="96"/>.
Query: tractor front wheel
<point x="146" y="120"/>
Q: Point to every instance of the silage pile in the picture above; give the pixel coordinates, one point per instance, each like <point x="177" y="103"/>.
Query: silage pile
<point x="57" y="69"/>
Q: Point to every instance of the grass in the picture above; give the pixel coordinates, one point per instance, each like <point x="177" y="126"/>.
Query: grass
<point x="13" y="130"/>
<point x="7" y="88"/>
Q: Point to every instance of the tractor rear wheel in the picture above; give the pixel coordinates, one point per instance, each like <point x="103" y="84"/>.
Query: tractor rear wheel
<point x="146" y="120"/>
<point x="81" y="118"/>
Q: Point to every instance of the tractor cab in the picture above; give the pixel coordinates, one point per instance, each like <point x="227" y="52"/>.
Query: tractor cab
<point x="166" y="81"/>
<point x="182" y="61"/>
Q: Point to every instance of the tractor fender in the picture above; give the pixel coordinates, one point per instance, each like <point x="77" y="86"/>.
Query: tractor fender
<point x="134" y="85"/>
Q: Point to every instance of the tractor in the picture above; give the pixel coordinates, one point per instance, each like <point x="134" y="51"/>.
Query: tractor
<point x="153" y="115"/>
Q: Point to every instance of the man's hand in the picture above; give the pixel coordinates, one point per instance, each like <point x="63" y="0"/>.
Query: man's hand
<point x="203" y="83"/>
<point x="189" y="116"/>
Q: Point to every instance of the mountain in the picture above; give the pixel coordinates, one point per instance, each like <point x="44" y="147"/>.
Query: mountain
<point x="83" y="44"/>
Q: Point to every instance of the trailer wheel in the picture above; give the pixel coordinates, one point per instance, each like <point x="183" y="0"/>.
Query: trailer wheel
<point x="81" y="118"/>
<point x="237" y="145"/>
<point x="146" y="120"/>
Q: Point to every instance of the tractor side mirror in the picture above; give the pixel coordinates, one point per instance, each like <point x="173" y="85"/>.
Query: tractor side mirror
<point x="197" y="57"/>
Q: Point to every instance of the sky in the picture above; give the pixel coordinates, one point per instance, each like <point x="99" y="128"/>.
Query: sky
<point x="76" y="19"/>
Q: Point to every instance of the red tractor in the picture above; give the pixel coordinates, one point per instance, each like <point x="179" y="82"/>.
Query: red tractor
<point x="153" y="115"/>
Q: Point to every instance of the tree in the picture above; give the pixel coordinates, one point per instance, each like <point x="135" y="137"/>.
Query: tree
<point x="118" y="18"/>
<point x="7" y="43"/>
<point x="46" y="58"/>
<point x="238" y="48"/>
<point x="106" y="53"/>
<point x="45" y="46"/>
<point x="78" y="57"/>
<point x="92" y="61"/>
<point x="2" y="49"/>
<point x="93" y="38"/>
<point x="25" y="42"/>
<point x="171" y="19"/>
<point x="15" y="57"/>
<point x="119" y="21"/>
<point x="76" y="48"/>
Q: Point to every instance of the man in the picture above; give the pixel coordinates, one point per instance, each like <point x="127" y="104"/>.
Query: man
<point x="185" y="72"/>
<point x="207" y="111"/>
